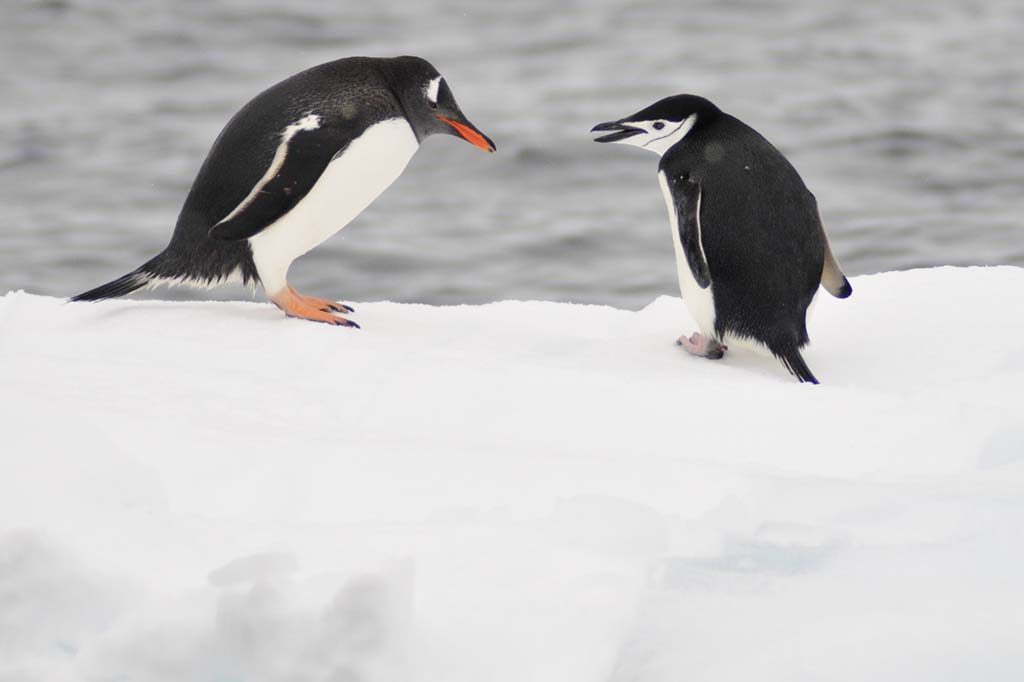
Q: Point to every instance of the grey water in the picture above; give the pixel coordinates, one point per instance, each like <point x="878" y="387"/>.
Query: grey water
<point x="905" y="119"/>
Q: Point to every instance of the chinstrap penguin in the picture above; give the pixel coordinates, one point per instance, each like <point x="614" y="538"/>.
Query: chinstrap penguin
<point x="291" y="168"/>
<point x="750" y="245"/>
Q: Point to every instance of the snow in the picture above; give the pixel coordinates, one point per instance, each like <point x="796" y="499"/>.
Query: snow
<point x="510" y="492"/>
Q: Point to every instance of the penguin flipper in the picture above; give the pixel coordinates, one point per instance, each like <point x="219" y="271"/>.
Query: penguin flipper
<point x="305" y="151"/>
<point x="832" y="277"/>
<point x="686" y="191"/>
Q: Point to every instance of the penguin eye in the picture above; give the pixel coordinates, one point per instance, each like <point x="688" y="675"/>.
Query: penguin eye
<point x="658" y="125"/>
<point x="432" y="104"/>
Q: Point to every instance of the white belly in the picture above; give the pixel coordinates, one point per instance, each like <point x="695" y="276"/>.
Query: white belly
<point x="350" y="183"/>
<point x="700" y="302"/>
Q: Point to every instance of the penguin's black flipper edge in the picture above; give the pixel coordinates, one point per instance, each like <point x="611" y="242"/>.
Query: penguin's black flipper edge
<point x="832" y="277"/>
<point x="299" y="162"/>
<point x="687" y="192"/>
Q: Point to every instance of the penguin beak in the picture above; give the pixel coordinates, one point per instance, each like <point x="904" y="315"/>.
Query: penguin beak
<point x="470" y="133"/>
<point x="619" y="131"/>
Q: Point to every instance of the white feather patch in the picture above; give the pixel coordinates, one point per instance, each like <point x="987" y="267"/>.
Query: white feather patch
<point x="233" y="277"/>
<point x="660" y="145"/>
<point x="433" y="88"/>
<point x="308" y="122"/>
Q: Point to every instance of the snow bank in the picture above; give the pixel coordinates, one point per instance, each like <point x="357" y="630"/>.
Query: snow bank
<point x="521" y="491"/>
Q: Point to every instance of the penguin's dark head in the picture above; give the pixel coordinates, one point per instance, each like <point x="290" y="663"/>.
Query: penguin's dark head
<point x="660" y="126"/>
<point x="429" y="104"/>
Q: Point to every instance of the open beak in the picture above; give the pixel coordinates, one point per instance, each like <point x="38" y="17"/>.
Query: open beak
<point x="470" y="133"/>
<point x="618" y="130"/>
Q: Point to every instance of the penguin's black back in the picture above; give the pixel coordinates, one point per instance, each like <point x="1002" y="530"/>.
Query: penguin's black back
<point x="760" y="231"/>
<point x="355" y="91"/>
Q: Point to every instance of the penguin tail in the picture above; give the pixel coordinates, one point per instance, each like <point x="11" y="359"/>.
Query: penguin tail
<point x="141" y="277"/>
<point x="121" y="286"/>
<point x="794" y="362"/>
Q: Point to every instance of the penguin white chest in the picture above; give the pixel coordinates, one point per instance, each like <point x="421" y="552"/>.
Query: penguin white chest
<point x="700" y="302"/>
<point x="350" y="183"/>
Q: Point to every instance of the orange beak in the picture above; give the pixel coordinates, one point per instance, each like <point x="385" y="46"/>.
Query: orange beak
<point x="470" y="133"/>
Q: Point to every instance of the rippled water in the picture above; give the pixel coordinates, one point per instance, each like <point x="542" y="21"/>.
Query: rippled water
<point x="907" y="121"/>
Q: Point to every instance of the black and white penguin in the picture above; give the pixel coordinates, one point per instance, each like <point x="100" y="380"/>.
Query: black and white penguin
<point x="750" y="246"/>
<point x="291" y="168"/>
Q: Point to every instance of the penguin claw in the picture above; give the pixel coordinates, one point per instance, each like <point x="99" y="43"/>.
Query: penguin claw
<point x="314" y="309"/>
<point x="337" y="308"/>
<point x="330" y="318"/>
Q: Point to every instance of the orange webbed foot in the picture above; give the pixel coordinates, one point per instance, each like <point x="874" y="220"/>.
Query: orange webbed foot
<point x="311" y="308"/>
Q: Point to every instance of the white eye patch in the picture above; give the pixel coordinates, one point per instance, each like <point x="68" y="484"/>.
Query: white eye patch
<point x="659" y="130"/>
<point x="433" y="88"/>
<point x="660" y="135"/>
<point x="654" y="127"/>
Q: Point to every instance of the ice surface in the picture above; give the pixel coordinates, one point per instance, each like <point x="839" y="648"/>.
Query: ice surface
<point x="515" y="491"/>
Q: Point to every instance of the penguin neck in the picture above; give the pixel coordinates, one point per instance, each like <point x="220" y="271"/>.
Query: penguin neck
<point x="397" y="87"/>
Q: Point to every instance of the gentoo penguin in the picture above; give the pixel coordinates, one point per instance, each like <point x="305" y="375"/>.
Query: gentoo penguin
<point x="292" y="167"/>
<point x="750" y="246"/>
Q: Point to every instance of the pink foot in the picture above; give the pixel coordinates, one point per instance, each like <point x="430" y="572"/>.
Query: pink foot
<point x="702" y="346"/>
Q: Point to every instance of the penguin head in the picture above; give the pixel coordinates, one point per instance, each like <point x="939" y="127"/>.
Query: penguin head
<point x="660" y="126"/>
<point x="430" y="106"/>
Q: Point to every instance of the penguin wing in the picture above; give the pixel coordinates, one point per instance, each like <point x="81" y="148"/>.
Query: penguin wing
<point x="832" y="277"/>
<point x="306" y="149"/>
<point x="686" y="192"/>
